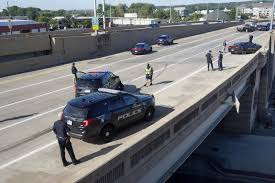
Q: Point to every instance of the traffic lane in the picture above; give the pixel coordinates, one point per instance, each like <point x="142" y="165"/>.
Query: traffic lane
<point x="68" y="172"/>
<point x="57" y="99"/>
<point x="162" y="83"/>
<point x="7" y="83"/>
<point x="134" y="76"/>
<point x="13" y="97"/>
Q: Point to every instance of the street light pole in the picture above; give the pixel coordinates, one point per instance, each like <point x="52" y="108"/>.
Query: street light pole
<point x="9" y="21"/>
<point x="207" y="13"/>
<point x="104" y="17"/>
<point x="110" y="21"/>
<point x="272" y="17"/>
<point x="170" y="20"/>
<point x="94" y="8"/>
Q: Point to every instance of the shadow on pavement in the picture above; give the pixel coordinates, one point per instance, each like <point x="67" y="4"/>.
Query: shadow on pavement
<point x="162" y="82"/>
<point x="227" y="68"/>
<point x="98" y="153"/>
<point x="17" y="117"/>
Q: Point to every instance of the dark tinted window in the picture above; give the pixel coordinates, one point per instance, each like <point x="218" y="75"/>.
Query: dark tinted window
<point x="98" y="109"/>
<point x="75" y="111"/>
<point x="105" y="79"/>
<point x="129" y="100"/>
<point x="139" y="46"/>
<point x="116" y="103"/>
<point x="95" y="83"/>
<point x="163" y="37"/>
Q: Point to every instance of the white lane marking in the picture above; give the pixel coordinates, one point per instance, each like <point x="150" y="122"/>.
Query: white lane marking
<point x="122" y="70"/>
<point x="177" y="52"/>
<point x="197" y="71"/>
<point x="32" y="98"/>
<point x="171" y="65"/>
<point x="115" y="62"/>
<point x="27" y="155"/>
<point x="54" y="142"/>
<point x="28" y="119"/>
<point x="31" y="118"/>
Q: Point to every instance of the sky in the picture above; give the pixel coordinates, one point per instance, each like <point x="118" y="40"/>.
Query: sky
<point x="88" y="4"/>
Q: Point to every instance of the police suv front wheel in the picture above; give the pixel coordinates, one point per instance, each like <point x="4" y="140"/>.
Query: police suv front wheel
<point x="107" y="133"/>
<point x="149" y="114"/>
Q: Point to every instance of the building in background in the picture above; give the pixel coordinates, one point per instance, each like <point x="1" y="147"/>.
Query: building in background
<point x="21" y="26"/>
<point x="256" y="10"/>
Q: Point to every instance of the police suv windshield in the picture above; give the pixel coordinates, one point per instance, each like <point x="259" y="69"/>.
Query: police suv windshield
<point x="75" y="112"/>
<point x="163" y="37"/>
<point x="94" y="83"/>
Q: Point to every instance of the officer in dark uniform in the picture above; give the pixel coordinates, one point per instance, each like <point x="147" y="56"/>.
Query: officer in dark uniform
<point x="250" y="38"/>
<point x="209" y="60"/>
<point x="61" y="131"/>
<point x="220" y="61"/>
<point x="74" y="71"/>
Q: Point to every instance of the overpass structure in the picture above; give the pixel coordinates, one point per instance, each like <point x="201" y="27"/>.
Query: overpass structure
<point x="190" y="101"/>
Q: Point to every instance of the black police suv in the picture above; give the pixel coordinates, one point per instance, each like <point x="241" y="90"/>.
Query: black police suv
<point x="244" y="48"/>
<point x="141" y="48"/>
<point x="91" y="81"/>
<point x="165" y="40"/>
<point x="103" y="112"/>
<point x="246" y="28"/>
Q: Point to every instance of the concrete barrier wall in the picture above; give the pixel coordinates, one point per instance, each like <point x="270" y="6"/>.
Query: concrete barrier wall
<point x="66" y="49"/>
<point x="133" y="159"/>
<point x="20" y="45"/>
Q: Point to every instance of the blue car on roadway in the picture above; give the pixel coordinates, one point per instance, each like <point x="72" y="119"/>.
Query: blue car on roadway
<point x="165" y="40"/>
<point x="103" y="112"/>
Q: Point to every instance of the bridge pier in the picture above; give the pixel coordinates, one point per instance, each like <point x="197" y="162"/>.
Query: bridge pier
<point x="254" y="101"/>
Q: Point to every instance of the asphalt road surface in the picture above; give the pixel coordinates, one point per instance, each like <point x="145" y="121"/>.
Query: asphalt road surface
<point x="31" y="101"/>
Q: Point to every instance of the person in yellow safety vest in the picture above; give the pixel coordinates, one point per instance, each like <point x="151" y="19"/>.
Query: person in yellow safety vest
<point x="148" y="74"/>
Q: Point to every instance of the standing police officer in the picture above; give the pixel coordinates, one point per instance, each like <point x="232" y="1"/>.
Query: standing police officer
<point x="74" y="71"/>
<point x="209" y="60"/>
<point x="250" y="38"/>
<point x="220" y="61"/>
<point x="61" y="131"/>
<point x="148" y="74"/>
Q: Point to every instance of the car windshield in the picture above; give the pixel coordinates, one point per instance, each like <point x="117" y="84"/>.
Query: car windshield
<point x="162" y="37"/>
<point x="139" y="46"/>
<point x="94" y="83"/>
<point x="238" y="44"/>
<point x="75" y="112"/>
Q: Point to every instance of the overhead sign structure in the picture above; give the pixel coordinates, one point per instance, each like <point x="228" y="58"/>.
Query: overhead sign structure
<point x="95" y="23"/>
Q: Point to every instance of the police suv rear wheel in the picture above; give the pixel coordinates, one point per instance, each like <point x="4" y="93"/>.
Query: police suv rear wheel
<point x="149" y="114"/>
<point x="107" y="133"/>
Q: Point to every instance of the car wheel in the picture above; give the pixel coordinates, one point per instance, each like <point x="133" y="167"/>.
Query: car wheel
<point x="149" y="114"/>
<point x="107" y="133"/>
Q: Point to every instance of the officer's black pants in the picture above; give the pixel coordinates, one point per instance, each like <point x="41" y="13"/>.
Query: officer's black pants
<point x="210" y="63"/>
<point x="66" y="144"/>
<point x="220" y="64"/>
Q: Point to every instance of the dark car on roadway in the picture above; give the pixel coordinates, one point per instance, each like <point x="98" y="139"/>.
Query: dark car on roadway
<point x="262" y="27"/>
<point x="165" y="40"/>
<point x="103" y="112"/>
<point x="141" y="48"/>
<point x="244" y="48"/>
<point x="153" y="25"/>
<point x="91" y="81"/>
<point x="246" y="28"/>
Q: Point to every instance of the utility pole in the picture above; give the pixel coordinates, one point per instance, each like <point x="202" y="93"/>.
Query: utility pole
<point x="94" y="8"/>
<point x="218" y="14"/>
<point x="272" y="17"/>
<point x="110" y="21"/>
<point x="207" y="13"/>
<point x="236" y="16"/>
<point x="9" y="20"/>
<point x="170" y="20"/>
<point x="104" y="17"/>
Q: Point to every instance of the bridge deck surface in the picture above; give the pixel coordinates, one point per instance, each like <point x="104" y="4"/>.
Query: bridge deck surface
<point x="30" y="103"/>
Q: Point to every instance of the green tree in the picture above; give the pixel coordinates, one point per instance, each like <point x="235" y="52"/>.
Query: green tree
<point x="161" y="14"/>
<point x="120" y="9"/>
<point x="232" y="13"/>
